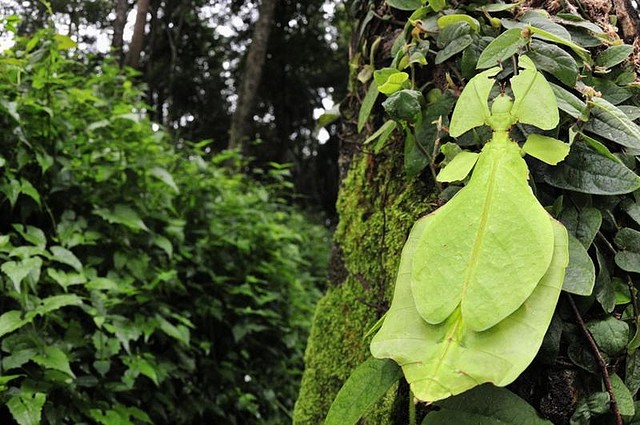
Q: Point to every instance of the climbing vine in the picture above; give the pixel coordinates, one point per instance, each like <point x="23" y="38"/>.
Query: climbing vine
<point x="478" y="290"/>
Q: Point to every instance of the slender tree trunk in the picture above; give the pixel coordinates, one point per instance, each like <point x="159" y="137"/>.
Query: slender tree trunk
<point x="377" y="206"/>
<point x="122" y="7"/>
<point x="240" y="131"/>
<point x="137" y="41"/>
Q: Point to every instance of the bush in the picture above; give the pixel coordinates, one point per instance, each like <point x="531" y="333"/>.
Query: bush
<point x="140" y="283"/>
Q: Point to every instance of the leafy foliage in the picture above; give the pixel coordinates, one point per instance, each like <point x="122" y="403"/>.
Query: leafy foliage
<point x="140" y="283"/>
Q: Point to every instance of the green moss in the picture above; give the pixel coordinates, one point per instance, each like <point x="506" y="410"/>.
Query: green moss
<point x="377" y="207"/>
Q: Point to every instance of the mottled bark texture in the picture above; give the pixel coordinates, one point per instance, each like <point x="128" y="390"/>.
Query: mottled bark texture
<point x="377" y="206"/>
<point x="240" y="131"/>
<point x="137" y="40"/>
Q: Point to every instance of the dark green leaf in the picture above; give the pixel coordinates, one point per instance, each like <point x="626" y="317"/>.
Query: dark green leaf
<point x="594" y="404"/>
<point x="611" y="334"/>
<point x="632" y="209"/>
<point x="632" y="373"/>
<point x="580" y="275"/>
<point x="427" y="129"/>
<point x="454" y="39"/>
<point x="614" y="55"/>
<point x="485" y="405"/>
<point x="604" y="290"/>
<point x="415" y="158"/>
<point x="583" y="224"/>
<point x="628" y="258"/>
<point x="623" y="396"/>
<point x="554" y="60"/>
<point x="613" y="124"/>
<point x="367" y="384"/>
<point x="54" y="358"/>
<point x="367" y="105"/>
<point x="587" y="171"/>
<point x="404" y="105"/>
<point x="501" y="49"/>
<point x="569" y="103"/>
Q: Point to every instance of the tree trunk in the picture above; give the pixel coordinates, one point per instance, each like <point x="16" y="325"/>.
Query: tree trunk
<point x="240" y="131"/>
<point x="137" y="41"/>
<point x="377" y="206"/>
<point x="122" y="7"/>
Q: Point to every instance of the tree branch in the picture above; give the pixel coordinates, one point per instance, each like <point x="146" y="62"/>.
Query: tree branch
<point x="599" y="359"/>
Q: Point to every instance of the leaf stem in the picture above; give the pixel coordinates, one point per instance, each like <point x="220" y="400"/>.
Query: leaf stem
<point x="599" y="359"/>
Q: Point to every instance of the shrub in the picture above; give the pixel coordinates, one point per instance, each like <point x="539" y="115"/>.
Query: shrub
<point x="140" y="283"/>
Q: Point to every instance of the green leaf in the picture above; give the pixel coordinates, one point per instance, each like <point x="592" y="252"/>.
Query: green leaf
<point x="10" y="321"/>
<point x="27" y="188"/>
<point x="54" y="358"/>
<point x="437" y="5"/>
<point x="64" y="256"/>
<point x="122" y="214"/>
<point x="427" y="129"/>
<point x="405" y="105"/>
<point x="382" y="133"/>
<point x="368" y="103"/>
<point x="390" y="80"/>
<point x="611" y="334"/>
<point x="614" y="55"/>
<point x="569" y="103"/>
<point x="405" y="4"/>
<point x="458" y="168"/>
<point x="472" y="108"/>
<point x="546" y="35"/>
<point x="502" y="48"/>
<point x="613" y="124"/>
<point x="26" y="408"/>
<point x="534" y="101"/>
<point x="473" y="232"/>
<point x="64" y="42"/>
<point x="165" y="177"/>
<point x="546" y="149"/>
<point x="583" y="224"/>
<point x="56" y="302"/>
<point x="485" y="405"/>
<point x="19" y="270"/>
<point x="628" y="258"/>
<point x="586" y="171"/>
<point x="554" y="60"/>
<point x="446" y="20"/>
<point x="454" y="38"/>
<point x="415" y="159"/>
<point x="368" y="383"/>
<point x="580" y="275"/>
<point x="450" y="358"/>
<point x="65" y="279"/>
<point x="624" y="399"/>
<point x="31" y="234"/>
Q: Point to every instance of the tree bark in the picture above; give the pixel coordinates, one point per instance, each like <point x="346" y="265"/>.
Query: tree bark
<point x="122" y="7"/>
<point x="137" y="41"/>
<point x="240" y="131"/>
<point x="377" y="206"/>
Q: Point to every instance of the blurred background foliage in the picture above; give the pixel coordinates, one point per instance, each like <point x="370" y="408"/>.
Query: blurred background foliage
<point x="142" y="281"/>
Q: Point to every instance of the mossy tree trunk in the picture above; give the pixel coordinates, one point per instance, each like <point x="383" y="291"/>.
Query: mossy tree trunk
<point x="377" y="206"/>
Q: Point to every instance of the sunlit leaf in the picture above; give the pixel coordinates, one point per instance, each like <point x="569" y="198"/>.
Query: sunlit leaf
<point x="458" y="168"/>
<point x="546" y="149"/>
<point x="450" y="358"/>
<point x="492" y="232"/>
<point x="472" y="108"/>
<point x="534" y="101"/>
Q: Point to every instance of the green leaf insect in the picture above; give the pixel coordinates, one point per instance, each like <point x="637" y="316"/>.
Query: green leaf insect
<point x="480" y="277"/>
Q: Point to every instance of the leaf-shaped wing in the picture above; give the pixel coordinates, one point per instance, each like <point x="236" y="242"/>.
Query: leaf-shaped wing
<point x="534" y="103"/>
<point x="450" y="358"/>
<point x="487" y="248"/>
<point x="472" y="109"/>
